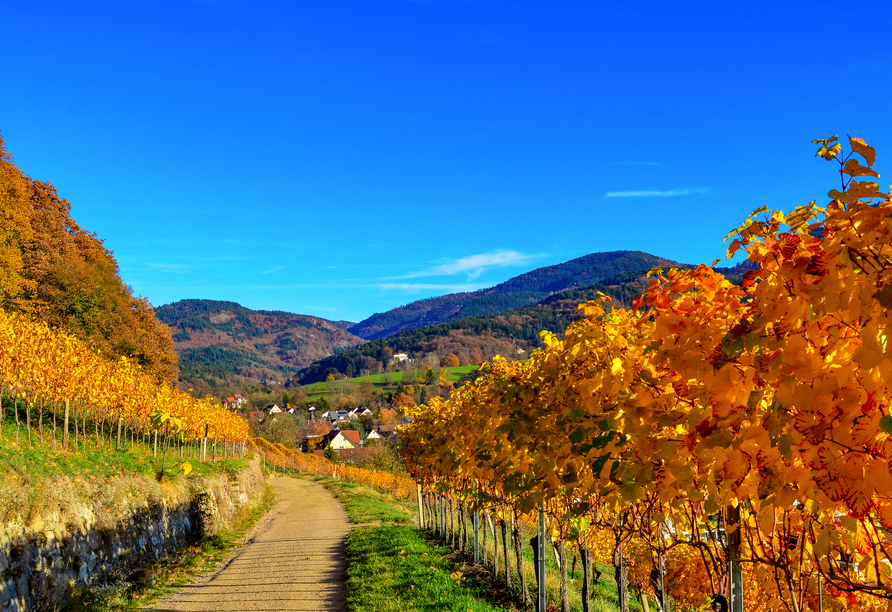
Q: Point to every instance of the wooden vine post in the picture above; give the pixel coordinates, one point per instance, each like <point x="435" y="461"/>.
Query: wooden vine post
<point x="735" y="590"/>
<point x="65" y="432"/>
<point x="420" y="508"/>
<point x="476" y="536"/>
<point x="540" y="559"/>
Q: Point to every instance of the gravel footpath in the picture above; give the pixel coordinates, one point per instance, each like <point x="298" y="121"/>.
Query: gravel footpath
<point x="295" y="560"/>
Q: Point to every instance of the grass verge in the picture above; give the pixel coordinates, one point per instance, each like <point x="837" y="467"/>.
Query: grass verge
<point x="394" y="567"/>
<point x="145" y="587"/>
<point x="391" y="567"/>
<point x="366" y="505"/>
<point x="93" y="458"/>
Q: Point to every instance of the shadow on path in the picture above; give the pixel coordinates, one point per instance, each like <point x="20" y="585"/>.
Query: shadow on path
<point x="295" y="563"/>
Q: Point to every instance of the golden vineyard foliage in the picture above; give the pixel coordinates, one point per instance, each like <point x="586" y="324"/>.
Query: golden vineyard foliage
<point x="710" y="412"/>
<point x="293" y="459"/>
<point x="47" y="368"/>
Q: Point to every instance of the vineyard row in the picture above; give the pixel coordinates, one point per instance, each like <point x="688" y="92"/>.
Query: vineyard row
<point x="723" y="444"/>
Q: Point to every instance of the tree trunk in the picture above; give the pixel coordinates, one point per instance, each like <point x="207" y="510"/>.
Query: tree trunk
<point x="452" y="520"/>
<point x="622" y="584"/>
<point x="505" y="552"/>
<point x="656" y="582"/>
<point x="16" y="410"/>
<point x="469" y="532"/>
<point x="495" y="547"/>
<point x="466" y="530"/>
<point x="644" y="604"/>
<point x="522" y="575"/>
<point x="483" y="555"/>
<point x="561" y="553"/>
<point x="586" y="558"/>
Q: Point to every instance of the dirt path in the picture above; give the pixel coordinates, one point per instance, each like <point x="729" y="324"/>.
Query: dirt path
<point x="294" y="562"/>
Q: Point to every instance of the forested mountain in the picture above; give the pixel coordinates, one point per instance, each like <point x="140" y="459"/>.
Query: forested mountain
<point x="54" y="270"/>
<point x="475" y="339"/>
<point x="223" y="345"/>
<point x="517" y="292"/>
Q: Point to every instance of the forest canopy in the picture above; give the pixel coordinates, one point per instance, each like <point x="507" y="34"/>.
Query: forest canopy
<point x="57" y="272"/>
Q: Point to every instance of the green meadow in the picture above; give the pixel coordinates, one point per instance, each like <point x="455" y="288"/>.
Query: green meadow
<point x="382" y="382"/>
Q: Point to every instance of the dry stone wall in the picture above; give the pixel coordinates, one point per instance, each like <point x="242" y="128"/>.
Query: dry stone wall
<point x="41" y="563"/>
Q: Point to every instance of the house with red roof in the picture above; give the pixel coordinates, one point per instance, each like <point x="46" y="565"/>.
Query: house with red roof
<point x="346" y="438"/>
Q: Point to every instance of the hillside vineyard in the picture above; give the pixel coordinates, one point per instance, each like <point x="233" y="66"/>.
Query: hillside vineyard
<point x="712" y="433"/>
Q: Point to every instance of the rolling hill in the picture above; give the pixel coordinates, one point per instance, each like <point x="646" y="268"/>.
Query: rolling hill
<point x="223" y="345"/>
<point x="475" y="339"/>
<point x="517" y="292"/>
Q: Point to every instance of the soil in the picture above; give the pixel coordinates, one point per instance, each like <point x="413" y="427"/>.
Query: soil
<point x="294" y="560"/>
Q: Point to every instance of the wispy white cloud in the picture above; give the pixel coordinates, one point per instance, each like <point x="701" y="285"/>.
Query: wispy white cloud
<point x="323" y="308"/>
<point x="656" y="194"/>
<point x="172" y="267"/>
<point x="412" y="287"/>
<point x="475" y="265"/>
<point x="873" y="65"/>
<point x="446" y="3"/>
<point x="271" y="270"/>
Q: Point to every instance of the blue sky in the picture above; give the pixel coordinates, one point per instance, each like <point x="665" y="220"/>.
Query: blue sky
<point x="341" y="158"/>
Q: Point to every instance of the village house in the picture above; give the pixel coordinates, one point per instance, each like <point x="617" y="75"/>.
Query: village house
<point x="345" y="439"/>
<point x="335" y="416"/>
<point x="234" y="402"/>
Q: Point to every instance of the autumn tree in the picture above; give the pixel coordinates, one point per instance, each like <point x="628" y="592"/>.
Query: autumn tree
<point x="346" y="401"/>
<point x="52" y="268"/>
<point x="388" y="416"/>
<point x="403" y="401"/>
<point x="450" y="361"/>
<point x="279" y="429"/>
<point x="15" y="227"/>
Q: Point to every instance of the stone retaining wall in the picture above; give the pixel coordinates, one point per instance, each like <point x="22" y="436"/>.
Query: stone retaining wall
<point x="39" y="567"/>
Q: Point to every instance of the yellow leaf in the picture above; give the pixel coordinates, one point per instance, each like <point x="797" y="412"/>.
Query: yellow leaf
<point x="826" y="141"/>
<point x="617" y="366"/>
<point x="862" y="148"/>
<point x="829" y="153"/>
<point x="866" y="190"/>
<point x="853" y="168"/>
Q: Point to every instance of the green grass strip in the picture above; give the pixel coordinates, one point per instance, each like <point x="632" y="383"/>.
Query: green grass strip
<point x="366" y="505"/>
<point x="392" y="569"/>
